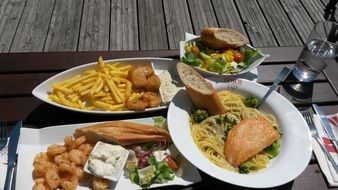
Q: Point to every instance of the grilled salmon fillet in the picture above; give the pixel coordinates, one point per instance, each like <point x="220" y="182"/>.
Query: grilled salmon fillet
<point x="247" y="139"/>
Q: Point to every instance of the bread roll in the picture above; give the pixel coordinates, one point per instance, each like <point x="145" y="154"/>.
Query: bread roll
<point x="200" y="91"/>
<point x="222" y="38"/>
<point x="123" y="133"/>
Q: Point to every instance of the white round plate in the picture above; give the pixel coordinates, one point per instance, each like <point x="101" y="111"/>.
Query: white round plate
<point x="296" y="148"/>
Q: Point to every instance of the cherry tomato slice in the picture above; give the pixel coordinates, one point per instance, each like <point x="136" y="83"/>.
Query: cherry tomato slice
<point x="238" y="57"/>
<point x="195" y="50"/>
<point x="171" y="163"/>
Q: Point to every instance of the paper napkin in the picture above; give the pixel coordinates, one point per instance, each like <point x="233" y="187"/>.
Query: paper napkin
<point x="324" y="163"/>
<point x="3" y="166"/>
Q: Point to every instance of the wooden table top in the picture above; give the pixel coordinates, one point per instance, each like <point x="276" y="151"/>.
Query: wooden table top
<point x="21" y="72"/>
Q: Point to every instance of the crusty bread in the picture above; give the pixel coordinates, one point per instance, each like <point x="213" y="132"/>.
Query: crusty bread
<point x="247" y="139"/>
<point x="200" y="91"/>
<point x="123" y="133"/>
<point x="222" y="38"/>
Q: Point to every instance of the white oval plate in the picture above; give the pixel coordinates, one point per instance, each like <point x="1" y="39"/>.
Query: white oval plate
<point x="42" y="90"/>
<point x="258" y="60"/>
<point x="296" y="148"/>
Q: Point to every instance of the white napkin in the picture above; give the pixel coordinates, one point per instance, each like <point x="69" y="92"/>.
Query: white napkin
<point x="324" y="163"/>
<point x="3" y="165"/>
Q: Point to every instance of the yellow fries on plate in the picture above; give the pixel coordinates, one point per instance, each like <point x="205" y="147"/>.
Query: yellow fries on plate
<point x="103" y="88"/>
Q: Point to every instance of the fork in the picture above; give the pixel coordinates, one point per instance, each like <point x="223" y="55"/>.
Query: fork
<point x="314" y="133"/>
<point x="3" y="135"/>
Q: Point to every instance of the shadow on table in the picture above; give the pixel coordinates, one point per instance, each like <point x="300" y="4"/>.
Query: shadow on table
<point x="211" y="183"/>
<point x="296" y="92"/>
<point x="48" y="115"/>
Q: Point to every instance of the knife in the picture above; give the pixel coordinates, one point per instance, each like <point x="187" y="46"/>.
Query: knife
<point x="326" y="124"/>
<point x="12" y="148"/>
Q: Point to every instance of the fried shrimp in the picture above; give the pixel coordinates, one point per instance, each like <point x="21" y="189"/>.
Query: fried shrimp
<point x="42" y="159"/>
<point x="52" y="178"/>
<point x="79" y="172"/>
<point x="80" y="140"/>
<point x="62" y="158"/>
<point x="55" y="149"/>
<point x="137" y="77"/>
<point x="153" y="83"/>
<point x="86" y="148"/>
<point x="69" y="181"/>
<point x="136" y="104"/>
<point x="39" y="171"/>
<point x="61" y="166"/>
<point x="100" y="183"/>
<point x="66" y="168"/>
<point x="69" y="143"/>
<point x="77" y="157"/>
<point x="151" y="98"/>
<point x="148" y="70"/>
<point x="41" y="186"/>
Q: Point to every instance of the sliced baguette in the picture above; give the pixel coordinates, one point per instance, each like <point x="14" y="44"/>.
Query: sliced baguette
<point x="123" y="133"/>
<point x="200" y="91"/>
<point x="222" y="38"/>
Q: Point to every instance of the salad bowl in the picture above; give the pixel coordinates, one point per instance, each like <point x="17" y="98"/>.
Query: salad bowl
<point x="228" y="63"/>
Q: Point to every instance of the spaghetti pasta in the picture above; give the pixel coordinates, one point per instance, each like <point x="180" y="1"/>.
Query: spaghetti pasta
<point x="210" y="133"/>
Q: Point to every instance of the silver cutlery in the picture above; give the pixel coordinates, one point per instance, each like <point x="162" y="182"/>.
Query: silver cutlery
<point x="314" y="133"/>
<point x="3" y="135"/>
<point x="12" y="149"/>
<point x="281" y="77"/>
<point x="326" y="124"/>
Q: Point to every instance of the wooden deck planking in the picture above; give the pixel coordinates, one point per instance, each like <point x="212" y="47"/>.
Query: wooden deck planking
<point x="178" y="21"/>
<point x="124" y="33"/>
<point x="255" y="24"/>
<point x="228" y="15"/>
<point x="64" y="27"/>
<point x="315" y="9"/>
<point x="299" y="17"/>
<point x="281" y="26"/>
<point x="152" y="29"/>
<point x="94" y="32"/>
<point x="10" y="14"/>
<point x="100" y="25"/>
<point x="202" y="15"/>
<point x="33" y="26"/>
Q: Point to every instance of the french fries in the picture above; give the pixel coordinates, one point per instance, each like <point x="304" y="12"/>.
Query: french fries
<point x="104" y="88"/>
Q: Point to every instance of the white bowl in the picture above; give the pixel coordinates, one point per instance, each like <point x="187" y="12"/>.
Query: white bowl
<point x="257" y="61"/>
<point x="119" y="168"/>
<point x="296" y="148"/>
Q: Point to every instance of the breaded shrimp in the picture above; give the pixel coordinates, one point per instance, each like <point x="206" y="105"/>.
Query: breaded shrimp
<point x="148" y="70"/>
<point x="100" y="183"/>
<point x="136" y="104"/>
<point x="137" y="77"/>
<point x="52" y="178"/>
<point x="152" y="98"/>
<point x="69" y="182"/>
<point x="55" y="149"/>
<point x="77" y="157"/>
<point x="153" y="83"/>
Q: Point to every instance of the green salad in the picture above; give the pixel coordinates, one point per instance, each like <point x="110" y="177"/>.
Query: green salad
<point x="153" y="162"/>
<point x="229" y="61"/>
